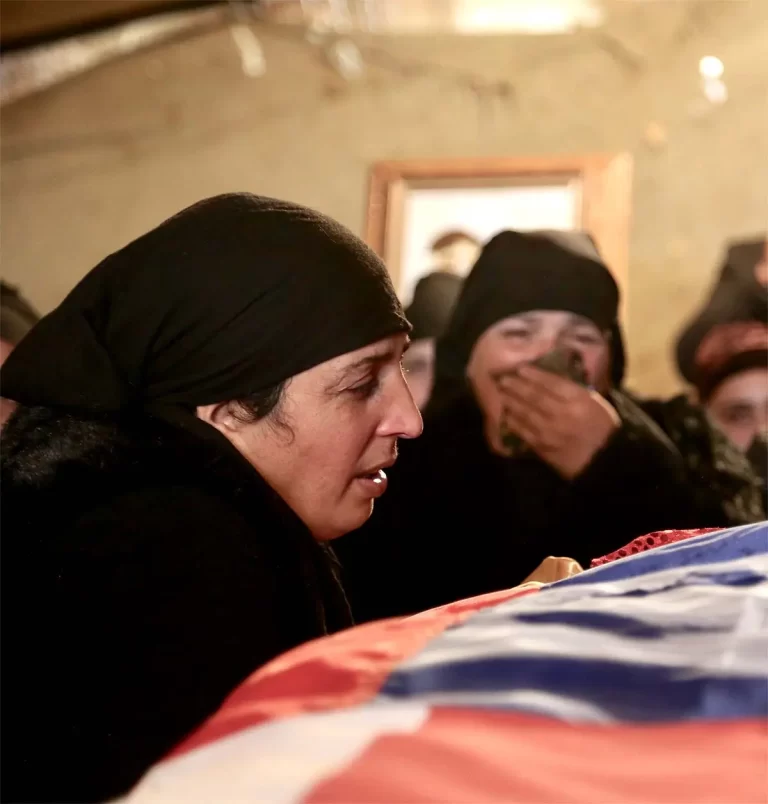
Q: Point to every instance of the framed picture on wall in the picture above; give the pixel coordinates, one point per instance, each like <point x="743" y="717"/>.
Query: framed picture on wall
<point x="427" y="215"/>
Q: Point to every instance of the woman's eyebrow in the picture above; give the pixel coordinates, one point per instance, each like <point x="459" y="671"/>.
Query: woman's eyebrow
<point x="369" y="361"/>
<point x="379" y="358"/>
<point x="737" y="405"/>
<point x="576" y="320"/>
<point x="523" y="319"/>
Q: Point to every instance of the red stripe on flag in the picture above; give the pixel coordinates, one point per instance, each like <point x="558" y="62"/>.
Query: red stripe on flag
<point x="474" y="756"/>
<point x="338" y="671"/>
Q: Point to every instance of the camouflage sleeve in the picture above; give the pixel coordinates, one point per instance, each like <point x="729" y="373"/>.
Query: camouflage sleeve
<point x="723" y="479"/>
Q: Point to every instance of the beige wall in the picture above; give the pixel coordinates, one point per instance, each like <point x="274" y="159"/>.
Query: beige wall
<point x="93" y="163"/>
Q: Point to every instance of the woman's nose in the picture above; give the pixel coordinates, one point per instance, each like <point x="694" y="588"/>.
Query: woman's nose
<point x="544" y="346"/>
<point x="412" y="425"/>
<point x="403" y="419"/>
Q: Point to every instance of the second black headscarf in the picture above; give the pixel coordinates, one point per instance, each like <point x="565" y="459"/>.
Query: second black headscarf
<point x="231" y="296"/>
<point x="433" y="301"/>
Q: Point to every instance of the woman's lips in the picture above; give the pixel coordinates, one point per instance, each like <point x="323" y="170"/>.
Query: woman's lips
<point x="373" y="484"/>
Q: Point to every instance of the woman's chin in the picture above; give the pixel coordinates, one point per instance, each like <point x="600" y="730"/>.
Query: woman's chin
<point x="358" y="515"/>
<point x="347" y="518"/>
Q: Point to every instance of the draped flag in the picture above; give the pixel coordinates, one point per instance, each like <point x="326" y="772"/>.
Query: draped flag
<point x="642" y="680"/>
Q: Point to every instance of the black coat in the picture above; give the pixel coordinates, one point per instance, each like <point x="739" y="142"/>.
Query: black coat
<point x="459" y="521"/>
<point x="146" y="571"/>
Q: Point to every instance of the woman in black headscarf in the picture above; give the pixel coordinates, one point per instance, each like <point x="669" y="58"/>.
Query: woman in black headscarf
<point x="429" y="313"/>
<point x="205" y="410"/>
<point x="518" y="463"/>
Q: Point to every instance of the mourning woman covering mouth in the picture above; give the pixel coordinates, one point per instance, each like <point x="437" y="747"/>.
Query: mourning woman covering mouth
<point x="531" y="447"/>
<point x="208" y="407"/>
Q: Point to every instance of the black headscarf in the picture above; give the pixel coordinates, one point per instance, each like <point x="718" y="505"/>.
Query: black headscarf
<point x="231" y="296"/>
<point x="432" y="304"/>
<point x="517" y="272"/>
<point x="736" y="296"/>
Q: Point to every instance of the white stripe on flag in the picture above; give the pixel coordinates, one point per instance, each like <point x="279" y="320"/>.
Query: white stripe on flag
<point x="540" y="702"/>
<point x="275" y="763"/>
<point x="732" y="641"/>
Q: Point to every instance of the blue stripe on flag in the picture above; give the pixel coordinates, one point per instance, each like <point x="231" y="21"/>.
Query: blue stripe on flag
<point x="620" y="691"/>
<point x="678" y="633"/>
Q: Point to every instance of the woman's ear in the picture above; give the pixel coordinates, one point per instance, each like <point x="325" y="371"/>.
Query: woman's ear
<point x="221" y="416"/>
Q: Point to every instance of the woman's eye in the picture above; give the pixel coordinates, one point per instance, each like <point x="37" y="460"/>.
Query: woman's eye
<point x="516" y="334"/>
<point x="738" y="415"/>
<point x="585" y="338"/>
<point x="366" y="389"/>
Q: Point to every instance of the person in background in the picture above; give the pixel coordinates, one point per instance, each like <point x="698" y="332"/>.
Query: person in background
<point x="433" y="300"/>
<point x="454" y="252"/>
<point x="17" y="317"/>
<point x="519" y="461"/>
<point x="203" y="413"/>
<point x="451" y="256"/>
<point x="731" y="379"/>
<point x="723" y="351"/>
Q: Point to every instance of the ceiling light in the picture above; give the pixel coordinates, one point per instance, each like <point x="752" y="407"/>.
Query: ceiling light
<point x="711" y="67"/>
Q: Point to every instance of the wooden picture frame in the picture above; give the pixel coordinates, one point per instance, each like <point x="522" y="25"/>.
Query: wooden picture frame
<point x="600" y="182"/>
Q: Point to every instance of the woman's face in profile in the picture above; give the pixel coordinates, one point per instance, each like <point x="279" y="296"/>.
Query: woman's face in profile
<point x="327" y="445"/>
<point x="739" y="406"/>
<point x="526" y="337"/>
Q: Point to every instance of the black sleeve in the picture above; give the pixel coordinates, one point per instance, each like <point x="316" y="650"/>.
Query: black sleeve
<point x="377" y="569"/>
<point x="178" y="617"/>
<point x="395" y="565"/>
<point x="635" y="485"/>
<point x="644" y="481"/>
